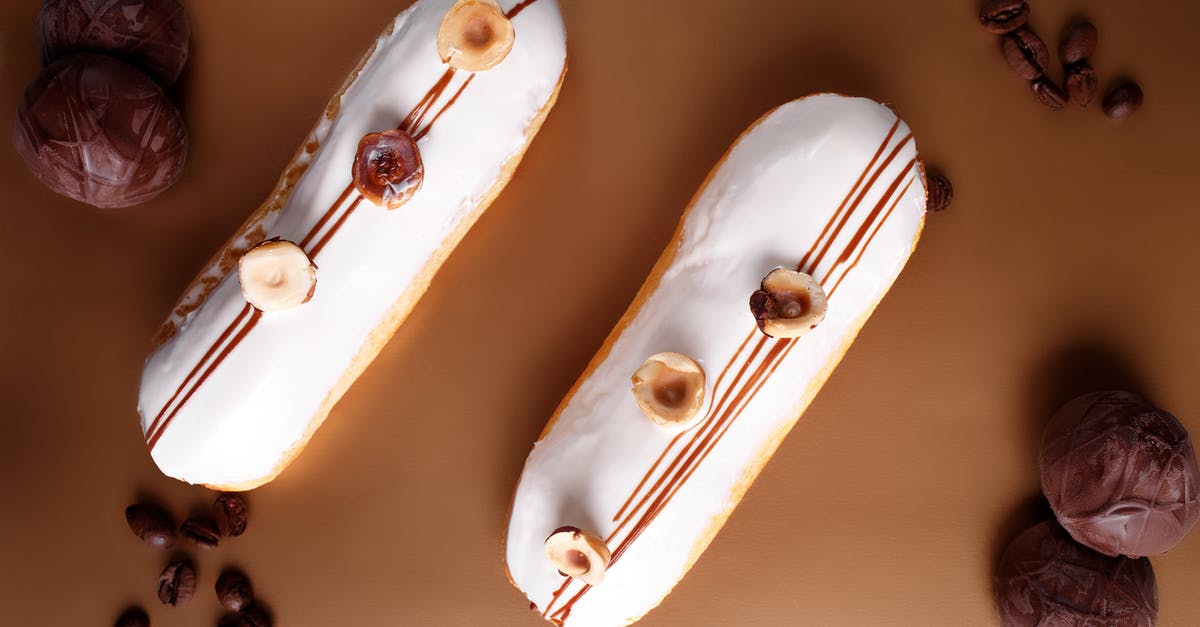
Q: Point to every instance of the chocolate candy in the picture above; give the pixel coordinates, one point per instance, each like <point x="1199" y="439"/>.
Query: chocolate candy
<point x="151" y="35"/>
<point x="97" y="130"/>
<point x="1046" y="578"/>
<point x="1120" y="474"/>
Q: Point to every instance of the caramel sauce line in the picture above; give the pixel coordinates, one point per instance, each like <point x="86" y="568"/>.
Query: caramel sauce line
<point x="838" y="213"/>
<point x="679" y="436"/>
<point x="871" y="237"/>
<point x="415" y="117"/>
<point x="870" y="184"/>
<point x="200" y="364"/>
<point x="713" y="432"/>
<point x="251" y="322"/>
<point x="325" y="218"/>
<point x="518" y="8"/>
<point x="423" y="132"/>
<point x="801" y="267"/>
<point x="850" y="248"/>
<point x="680" y="456"/>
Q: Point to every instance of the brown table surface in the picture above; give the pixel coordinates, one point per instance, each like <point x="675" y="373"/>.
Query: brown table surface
<point x="1067" y="263"/>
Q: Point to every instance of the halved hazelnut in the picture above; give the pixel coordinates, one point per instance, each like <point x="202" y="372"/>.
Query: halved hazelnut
<point x="669" y="389"/>
<point x="277" y="275"/>
<point x="790" y="303"/>
<point x="387" y="168"/>
<point x="578" y="554"/>
<point x="475" y="35"/>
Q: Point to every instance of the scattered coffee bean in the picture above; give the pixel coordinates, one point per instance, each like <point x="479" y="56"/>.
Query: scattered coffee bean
<point x="201" y="531"/>
<point x="1004" y="16"/>
<point x="1026" y="53"/>
<point x="152" y="524"/>
<point x="234" y="591"/>
<point x="133" y="617"/>
<point x="940" y="193"/>
<point x="1049" y="93"/>
<point x="1078" y="44"/>
<point x="177" y="583"/>
<point x="1082" y="83"/>
<point x="1123" y="101"/>
<point x="231" y="514"/>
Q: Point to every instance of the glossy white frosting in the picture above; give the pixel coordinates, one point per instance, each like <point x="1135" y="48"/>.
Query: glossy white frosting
<point x="764" y="207"/>
<point x="258" y="404"/>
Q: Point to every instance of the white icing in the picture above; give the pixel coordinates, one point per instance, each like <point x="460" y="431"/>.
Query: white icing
<point x="258" y="404"/>
<point x="764" y="207"/>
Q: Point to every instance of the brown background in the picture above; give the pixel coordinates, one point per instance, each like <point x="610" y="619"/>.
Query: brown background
<point x="1068" y="262"/>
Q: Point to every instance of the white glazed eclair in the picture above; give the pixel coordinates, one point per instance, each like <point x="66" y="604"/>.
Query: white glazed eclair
<point x="455" y="91"/>
<point x="828" y="185"/>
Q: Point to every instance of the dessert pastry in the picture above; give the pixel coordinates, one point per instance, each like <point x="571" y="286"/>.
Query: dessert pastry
<point x="406" y="157"/>
<point x="1120" y="474"/>
<point x="1046" y="578"/>
<point x="827" y="187"/>
<point x="97" y="130"/>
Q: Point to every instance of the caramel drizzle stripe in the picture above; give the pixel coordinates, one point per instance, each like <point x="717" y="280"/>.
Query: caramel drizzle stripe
<point x="712" y="432"/>
<point x="870" y="184"/>
<point x="837" y="214"/>
<point x="325" y="218"/>
<point x="518" y="8"/>
<point x="413" y="119"/>
<point x="203" y="360"/>
<point x="680" y="435"/>
<point x="871" y="237"/>
<point x="251" y="322"/>
<point x="449" y="103"/>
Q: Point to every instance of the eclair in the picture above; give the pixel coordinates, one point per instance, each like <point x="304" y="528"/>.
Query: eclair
<point x="778" y="261"/>
<point x="417" y="143"/>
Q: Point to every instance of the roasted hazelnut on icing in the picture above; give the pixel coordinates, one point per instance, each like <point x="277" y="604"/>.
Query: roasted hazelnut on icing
<point x="475" y="35"/>
<point x="578" y="554"/>
<point x="669" y="389"/>
<point x="790" y="303"/>
<point x="277" y="275"/>
<point x="387" y="168"/>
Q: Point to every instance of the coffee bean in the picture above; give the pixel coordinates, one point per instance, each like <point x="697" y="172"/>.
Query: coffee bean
<point x="201" y="531"/>
<point x="1026" y="53"/>
<point x="1081" y="83"/>
<point x="133" y="617"/>
<point x="1123" y="101"/>
<point x="152" y="524"/>
<point x="234" y="591"/>
<point x="940" y="193"/>
<point x="1004" y="16"/>
<point x="177" y="583"/>
<point x="1049" y="93"/>
<point x="1078" y="44"/>
<point x="231" y="514"/>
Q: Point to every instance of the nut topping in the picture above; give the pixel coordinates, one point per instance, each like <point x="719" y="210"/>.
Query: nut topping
<point x="577" y="554"/>
<point x="790" y="303"/>
<point x="277" y="275"/>
<point x="387" y="168"/>
<point x="669" y="389"/>
<point x="475" y="35"/>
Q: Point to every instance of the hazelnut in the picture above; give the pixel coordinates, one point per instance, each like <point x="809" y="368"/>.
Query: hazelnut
<point x="387" y="168"/>
<point x="669" y="389"/>
<point x="475" y="35"/>
<point x="790" y="303"/>
<point x="277" y="275"/>
<point x="578" y="554"/>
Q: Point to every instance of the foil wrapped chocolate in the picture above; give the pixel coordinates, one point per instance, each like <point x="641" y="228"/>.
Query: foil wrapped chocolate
<point x="1046" y="578"/>
<point x="1120" y="474"/>
<point x="97" y="130"/>
<point x="151" y="35"/>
